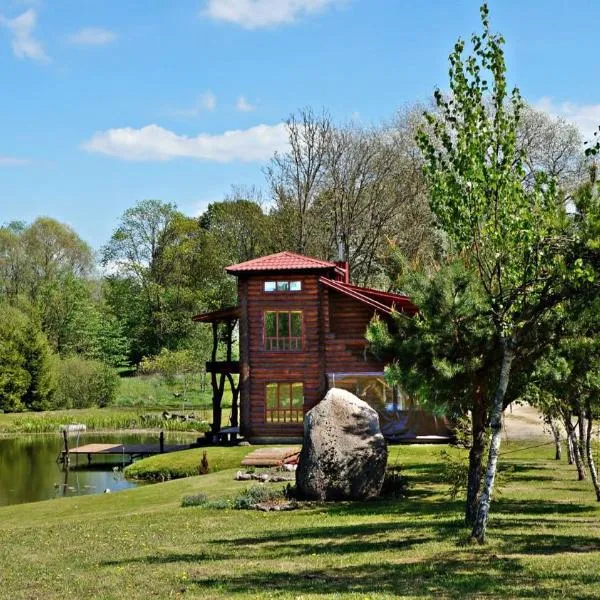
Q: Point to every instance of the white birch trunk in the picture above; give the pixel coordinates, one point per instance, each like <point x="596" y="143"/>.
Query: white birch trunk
<point x="590" y="454"/>
<point x="483" y="510"/>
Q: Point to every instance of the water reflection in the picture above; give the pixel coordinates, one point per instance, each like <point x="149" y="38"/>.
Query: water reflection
<point x="29" y="470"/>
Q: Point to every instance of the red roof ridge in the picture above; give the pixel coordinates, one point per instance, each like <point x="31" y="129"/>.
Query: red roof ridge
<point x="364" y="295"/>
<point x="281" y="261"/>
<point x="379" y="292"/>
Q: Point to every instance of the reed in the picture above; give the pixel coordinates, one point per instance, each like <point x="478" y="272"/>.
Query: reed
<point x="95" y="419"/>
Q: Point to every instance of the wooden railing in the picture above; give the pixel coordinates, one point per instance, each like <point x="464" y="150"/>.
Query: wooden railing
<point x="281" y="344"/>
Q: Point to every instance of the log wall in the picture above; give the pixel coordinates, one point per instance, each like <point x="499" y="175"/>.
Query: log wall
<point x="333" y="328"/>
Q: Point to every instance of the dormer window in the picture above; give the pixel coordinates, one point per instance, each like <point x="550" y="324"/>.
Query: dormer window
<point x="283" y="286"/>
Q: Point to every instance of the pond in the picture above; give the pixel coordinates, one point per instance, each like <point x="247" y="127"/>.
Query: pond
<point x="30" y="472"/>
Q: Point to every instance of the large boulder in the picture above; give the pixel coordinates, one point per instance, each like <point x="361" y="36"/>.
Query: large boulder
<point x="343" y="453"/>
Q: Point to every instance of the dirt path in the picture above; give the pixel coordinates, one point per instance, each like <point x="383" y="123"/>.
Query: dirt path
<point x="523" y="423"/>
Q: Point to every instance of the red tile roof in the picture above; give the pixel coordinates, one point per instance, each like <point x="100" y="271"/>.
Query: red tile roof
<point x="382" y="302"/>
<point x="282" y="261"/>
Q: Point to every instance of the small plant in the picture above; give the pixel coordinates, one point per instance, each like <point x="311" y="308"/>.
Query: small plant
<point x="256" y="494"/>
<point x="395" y="485"/>
<point x="203" y="467"/>
<point x="199" y="499"/>
<point x="456" y="471"/>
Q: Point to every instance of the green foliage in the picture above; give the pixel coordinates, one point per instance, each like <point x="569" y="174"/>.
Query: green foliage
<point x="455" y="471"/>
<point x="513" y="236"/>
<point x="84" y="383"/>
<point x="198" y="499"/>
<point x="255" y="494"/>
<point x="443" y="357"/>
<point x="395" y="484"/>
<point x="26" y="379"/>
<point x="171" y="365"/>
<point x="95" y="419"/>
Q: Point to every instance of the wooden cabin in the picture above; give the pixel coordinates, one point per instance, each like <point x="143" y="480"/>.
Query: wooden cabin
<point x="301" y="331"/>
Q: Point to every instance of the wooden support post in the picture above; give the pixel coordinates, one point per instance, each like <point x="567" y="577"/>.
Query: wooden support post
<point x="161" y="441"/>
<point x="244" y="378"/>
<point x="65" y="457"/>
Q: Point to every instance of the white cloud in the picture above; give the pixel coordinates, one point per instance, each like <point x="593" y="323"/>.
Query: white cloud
<point x="154" y="143"/>
<point x="23" y="43"/>
<point x="13" y="161"/>
<point x="585" y="116"/>
<point x="92" y="36"/>
<point x="243" y="105"/>
<point x="253" y="14"/>
<point x="206" y="101"/>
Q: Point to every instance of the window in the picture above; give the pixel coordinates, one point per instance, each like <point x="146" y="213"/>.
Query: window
<point x="283" y="330"/>
<point x="372" y="388"/>
<point x="283" y="286"/>
<point x="284" y="403"/>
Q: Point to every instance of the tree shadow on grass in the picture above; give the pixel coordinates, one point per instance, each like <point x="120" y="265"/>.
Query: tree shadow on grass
<point x="444" y="575"/>
<point x="536" y="507"/>
<point x="548" y="543"/>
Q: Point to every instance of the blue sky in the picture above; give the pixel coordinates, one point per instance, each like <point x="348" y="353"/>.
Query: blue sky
<point x="108" y="102"/>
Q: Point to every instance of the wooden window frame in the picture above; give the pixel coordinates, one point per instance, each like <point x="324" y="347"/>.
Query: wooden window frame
<point x="291" y="415"/>
<point x="273" y="343"/>
<point x="278" y="281"/>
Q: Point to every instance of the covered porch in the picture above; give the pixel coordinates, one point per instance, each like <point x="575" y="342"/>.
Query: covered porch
<point x="223" y="372"/>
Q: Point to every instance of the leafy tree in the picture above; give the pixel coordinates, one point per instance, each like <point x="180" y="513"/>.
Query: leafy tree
<point x="515" y="238"/>
<point x="26" y="377"/>
<point x="177" y="368"/>
<point x="239" y="224"/>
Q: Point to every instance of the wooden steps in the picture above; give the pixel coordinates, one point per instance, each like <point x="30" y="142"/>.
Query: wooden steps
<point x="270" y="457"/>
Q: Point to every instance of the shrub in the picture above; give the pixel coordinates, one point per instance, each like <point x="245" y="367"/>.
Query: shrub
<point x="85" y="383"/>
<point x="199" y="499"/>
<point x="26" y="378"/>
<point x="256" y="494"/>
<point x="455" y="472"/>
<point x="395" y="485"/>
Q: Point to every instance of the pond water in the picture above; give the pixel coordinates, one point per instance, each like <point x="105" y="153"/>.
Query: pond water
<point x="30" y="472"/>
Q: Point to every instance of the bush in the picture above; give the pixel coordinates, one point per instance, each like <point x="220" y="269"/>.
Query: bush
<point x="395" y="485"/>
<point x="254" y="495"/>
<point x="26" y="378"/>
<point x="85" y="383"/>
<point x="199" y="499"/>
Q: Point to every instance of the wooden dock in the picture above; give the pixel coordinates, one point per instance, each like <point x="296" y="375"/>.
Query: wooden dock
<point x="129" y="451"/>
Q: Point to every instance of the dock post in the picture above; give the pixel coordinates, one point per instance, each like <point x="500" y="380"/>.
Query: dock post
<point x="66" y="449"/>
<point x="161" y="441"/>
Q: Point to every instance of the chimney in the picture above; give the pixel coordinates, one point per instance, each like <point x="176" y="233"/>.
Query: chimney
<point x="342" y="268"/>
<point x="342" y="271"/>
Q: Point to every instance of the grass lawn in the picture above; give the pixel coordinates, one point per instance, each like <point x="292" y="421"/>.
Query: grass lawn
<point x="544" y="541"/>
<point x="185" y="463"/>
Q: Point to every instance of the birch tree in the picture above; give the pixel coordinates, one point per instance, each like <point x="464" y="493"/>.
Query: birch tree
<point x="514" y="237"/>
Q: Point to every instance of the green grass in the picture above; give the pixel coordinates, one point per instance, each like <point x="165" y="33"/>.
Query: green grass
<point x="137" y="399"/>
<point x="150" y="392"/>
<point x="544" y="541"/>
<point x="185" y="463"/>
<point x="96" y="419"/>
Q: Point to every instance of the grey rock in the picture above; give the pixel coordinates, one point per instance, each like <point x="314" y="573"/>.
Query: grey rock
<point x="344" y="454"/>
